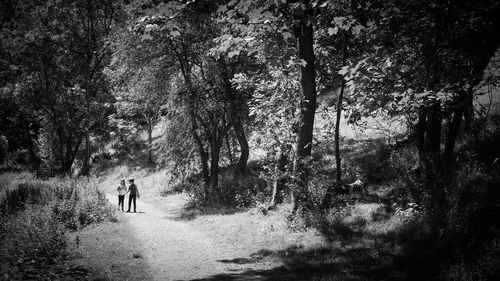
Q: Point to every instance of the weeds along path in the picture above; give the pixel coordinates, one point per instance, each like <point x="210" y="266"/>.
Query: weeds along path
<point x="176" y="251"/>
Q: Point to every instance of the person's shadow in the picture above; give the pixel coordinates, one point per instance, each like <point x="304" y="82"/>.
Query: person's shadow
<point x="135" y="212"/>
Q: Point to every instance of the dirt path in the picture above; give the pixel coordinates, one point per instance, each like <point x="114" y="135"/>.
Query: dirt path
<point x="174" y="250"/>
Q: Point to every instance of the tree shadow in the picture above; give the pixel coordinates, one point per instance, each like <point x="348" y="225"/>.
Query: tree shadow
<point x="278" y="274"/>
<point x="180" y="216"/>
<point x="189" y="212"/>
<point x="254" y="258"/>
<point x="348" y="263"/>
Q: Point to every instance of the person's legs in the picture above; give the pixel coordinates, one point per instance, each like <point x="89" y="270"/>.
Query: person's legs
<point x="134" y="202"/>
<point x="130" y="202"/>
<point x="121" y="199"/>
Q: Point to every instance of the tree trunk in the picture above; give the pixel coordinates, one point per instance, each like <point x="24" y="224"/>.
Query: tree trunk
<point x="214" y="167"/>
<point x="228" y="144"/>
<point x="215" y="147"/>
<point x="235" y="113"/>
<point x="455" y="123"/>
<point x="304" y="34"/>
<point x="338" y="160"/>
<point x="433" y="135"/>
<point x="186" y="73"/>
<point x="86" y="159"/>
<point x="32" y="158"/>
<point x="279" y="176"/>
<point x="150" y="141"/>
<point x="420" y="132"/>
<point x="71" y="153"/>
<point x="203" y="154"/>
<point x="239" y="132"/>
<point x="59" y="157"/>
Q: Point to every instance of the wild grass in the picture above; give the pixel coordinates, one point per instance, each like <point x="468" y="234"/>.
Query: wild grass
<point x="32" y="242"/>
<point x="37" y="214"/>
<point x="252" y="231"/>
<point x="9" y="181"/>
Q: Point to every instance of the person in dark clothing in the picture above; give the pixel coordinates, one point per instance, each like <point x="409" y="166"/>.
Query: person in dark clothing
<point x="134" y="193"/>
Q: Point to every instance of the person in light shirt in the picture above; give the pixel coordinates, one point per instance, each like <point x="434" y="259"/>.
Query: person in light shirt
<point x="122" y="190"/>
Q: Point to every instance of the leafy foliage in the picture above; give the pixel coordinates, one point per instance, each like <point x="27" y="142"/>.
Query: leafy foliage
<point x="36" y="216"/>
<point x="57" y="65"/>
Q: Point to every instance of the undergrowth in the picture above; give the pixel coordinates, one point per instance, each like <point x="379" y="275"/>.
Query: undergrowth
<point x="35" y="218"/>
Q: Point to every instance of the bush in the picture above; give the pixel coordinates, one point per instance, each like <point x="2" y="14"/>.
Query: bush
<point x="34" y="242"/>
<point x="469" y="244"/>
<point x="4" y="149"/>
<point x="243" y="192"/>
<point x="36" y="217"/>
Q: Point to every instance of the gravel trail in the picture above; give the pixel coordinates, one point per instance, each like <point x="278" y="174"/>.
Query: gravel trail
<point x="174" y="250"/>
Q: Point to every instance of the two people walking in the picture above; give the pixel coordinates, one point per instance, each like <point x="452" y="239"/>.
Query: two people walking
<point x="133" y="194"/>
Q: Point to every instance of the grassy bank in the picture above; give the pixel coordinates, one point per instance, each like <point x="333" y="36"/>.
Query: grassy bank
<point x="36" y="217"/>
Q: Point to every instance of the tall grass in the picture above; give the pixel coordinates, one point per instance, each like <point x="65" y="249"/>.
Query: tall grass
<point x="36" y="214"/>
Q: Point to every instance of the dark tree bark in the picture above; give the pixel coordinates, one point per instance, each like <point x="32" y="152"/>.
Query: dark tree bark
<point x="33" y="160"/>
<point x="215" y="146"/>
<point x="279" y="176"/>
<point x="71" y="151"/>
<point x="239" y="132"/>
<point x="451" y="136"/>
<point x="236" y="120"/>
<point x="454" y="127"/>
<point x="86" y="158"/>
<point x="229" y="152"/>
<point x="338" y="160"/>
<point x="203" y="154"/>
<point x="433" y="135"/>
<point x="338" y="175"/>
<point x="304" y="35"/>
<point x="150" y="140"/>
<point x="420" y="132"/>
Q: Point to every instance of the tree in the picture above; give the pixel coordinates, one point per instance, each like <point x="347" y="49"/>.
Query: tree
<point x="275" y="111"/>
<point x="426" y="69"/>
<point x="58" y="50"/>
<point x="206" y="94"/>
<point x="278" y="33"/>
<point x="141" y="80"/>
<point x="288" y="20"/>
<point x="339" y="30"/>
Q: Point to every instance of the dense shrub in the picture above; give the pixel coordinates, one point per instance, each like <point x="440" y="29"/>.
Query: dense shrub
<point x="36" y="216"/>
<point x="34" y="242"/>
<point x="246" y="191"/>
<point x="4" y="149"/>
<point x="471" y="238"/>
<point x="74" y="203"/>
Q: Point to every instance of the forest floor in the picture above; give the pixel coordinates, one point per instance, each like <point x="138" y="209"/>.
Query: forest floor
<point x="164" y="241"/>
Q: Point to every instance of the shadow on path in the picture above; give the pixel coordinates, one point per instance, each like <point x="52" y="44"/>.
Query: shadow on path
<point x="185" y="211"/>
<point x="279" y="273"/>
<point x="367" y="264"/>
